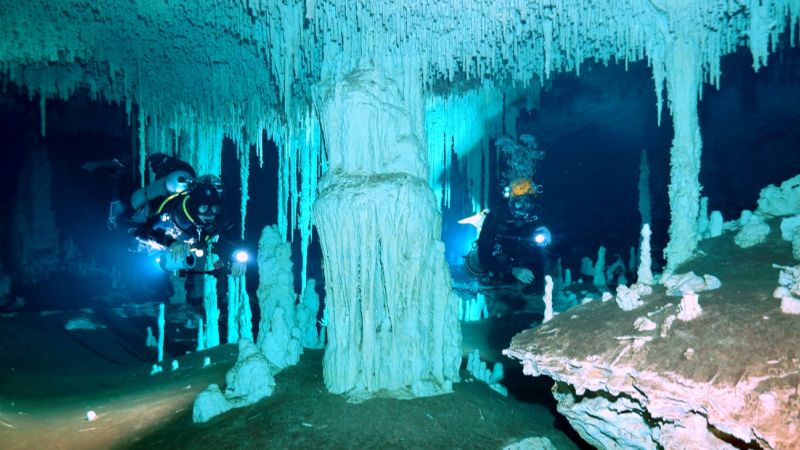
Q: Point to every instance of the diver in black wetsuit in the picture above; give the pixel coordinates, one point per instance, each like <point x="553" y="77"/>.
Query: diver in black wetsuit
<point x="511" y="244"/>
<point x="178" y="216"/>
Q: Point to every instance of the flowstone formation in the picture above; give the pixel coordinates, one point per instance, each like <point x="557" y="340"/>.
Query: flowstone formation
<point x="387" y="284"/>
<point x="680" y="370"/>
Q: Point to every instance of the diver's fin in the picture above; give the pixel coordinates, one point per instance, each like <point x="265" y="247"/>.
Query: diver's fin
<point x="475" y="220"/>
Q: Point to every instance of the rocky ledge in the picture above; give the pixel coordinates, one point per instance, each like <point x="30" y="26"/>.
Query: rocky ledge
<point x="728" y="378"/>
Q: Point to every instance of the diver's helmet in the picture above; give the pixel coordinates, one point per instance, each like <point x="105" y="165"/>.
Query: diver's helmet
<point x="205" y="199"/>
<point x="521" y="203"/>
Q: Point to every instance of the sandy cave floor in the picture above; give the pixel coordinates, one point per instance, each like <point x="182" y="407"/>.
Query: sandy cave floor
<point x="50" y="378"/>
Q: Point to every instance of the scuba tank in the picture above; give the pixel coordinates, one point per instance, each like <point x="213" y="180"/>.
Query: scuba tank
<point x="173" y="183"/>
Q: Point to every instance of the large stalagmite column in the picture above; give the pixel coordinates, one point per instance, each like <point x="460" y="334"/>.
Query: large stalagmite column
<point x="393" y="325"/>
<point x="683" y="72"/>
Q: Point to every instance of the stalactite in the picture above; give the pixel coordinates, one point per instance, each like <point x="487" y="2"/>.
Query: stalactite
<point x="244" y="177"/>
<point x="142" y="147"/>
<point x="464" y="122"/>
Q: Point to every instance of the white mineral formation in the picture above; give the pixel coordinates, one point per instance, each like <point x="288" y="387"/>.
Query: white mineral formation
<point x="201" y="336"/>
<point x="277" y="301"/>
<point x="665" y="327"/>
<point x="790" y="305"/>
<point x="82" y="323"/>
<point x="744" y="217"/>
<point x="679" y="284"/>
<point x="627" y="299"/>
<point x="150" y="341"/>
<point x="644" y="324"/>
<point x="307" y="316"/>
<point x="548" y="298"/>
<point x="789" y="227"/>
<point x="780" y="201"/>
<point x="474" y="308"/>
<point x="210" y="303"/>
<point x="161" y="323"/>
<point x="599" y="279"/>
<point x="240" y="318"/>
<point x="481" y="372"/>
<point x="209" y="403"/>
<point x="690" y="307"/>
<point x="754" y="232"/>
<point x="715" y="224"/>
<point x="790" y="231"/>
<point x="702" y="218"/>
<point x="387" y="283"/>
<point x="789" y="289"/>
<point x="248" y="381"/>
<point x="644" y="275"/>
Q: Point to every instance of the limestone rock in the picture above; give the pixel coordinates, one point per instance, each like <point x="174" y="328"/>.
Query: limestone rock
<point x="754" y="232"/>
<point x="209" y="403"/>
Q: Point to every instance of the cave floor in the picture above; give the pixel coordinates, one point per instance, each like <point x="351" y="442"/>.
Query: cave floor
<point x="50" y="378"/>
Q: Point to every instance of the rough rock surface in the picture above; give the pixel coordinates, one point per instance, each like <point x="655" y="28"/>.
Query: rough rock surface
<point x="728" y="379"/>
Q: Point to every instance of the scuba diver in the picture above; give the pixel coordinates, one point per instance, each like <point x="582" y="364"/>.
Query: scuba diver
<point x="178" y="216"/>
<point x="511" y="243"/>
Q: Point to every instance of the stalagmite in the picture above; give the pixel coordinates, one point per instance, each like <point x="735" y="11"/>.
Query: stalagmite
<point x="548" y="299"/>
<point x="210" y="304"/>
<point x="201" y="335"/>
<point x="240" y="325"/>
<point x="387" y="284"/>
<point x="644" y="275"/>
<point x="161" y="323"/>
<point x="279" y="338"/>
<point x="599" y="279"/>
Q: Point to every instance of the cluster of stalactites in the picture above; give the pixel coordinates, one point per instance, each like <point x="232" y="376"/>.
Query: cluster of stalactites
<point x="461" y="125"/>
<point x="301" y="163"/>
<point x="210" y="54"/>
<point x="203" y="70"/>
<point x="521" y="40"/>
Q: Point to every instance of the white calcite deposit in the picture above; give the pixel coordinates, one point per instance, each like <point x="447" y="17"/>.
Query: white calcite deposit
<point x="679" y="284"/>
<point x="248" y="381"/>
<point x="689" y="308"/>
<point x="754" y="231"/>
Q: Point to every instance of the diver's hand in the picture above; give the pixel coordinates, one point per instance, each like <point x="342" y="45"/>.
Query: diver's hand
<point x="178" y="251"/>
<point x="522" y="274"/>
